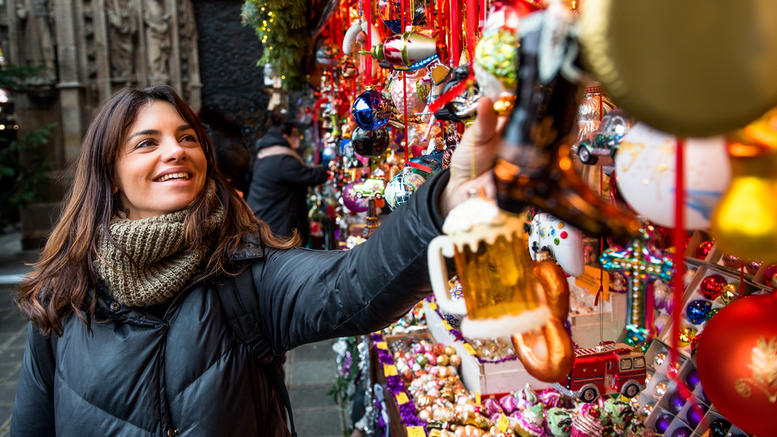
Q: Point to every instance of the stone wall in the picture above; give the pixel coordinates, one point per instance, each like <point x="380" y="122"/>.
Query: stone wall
<point x="91" y="48"/>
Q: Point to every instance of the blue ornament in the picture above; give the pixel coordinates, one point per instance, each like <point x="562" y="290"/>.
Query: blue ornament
<point x="371" y="110"/>
<point x="697" y="311"/>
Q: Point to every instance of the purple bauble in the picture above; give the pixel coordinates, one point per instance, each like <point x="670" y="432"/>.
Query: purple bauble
<point x="681" y="432"/>
<point x="692" y="379"/>
<point x="694" y="415"/>
<point x="676" y="403"/>
<point x="352" y="202"/>
<point x="662" y="423"/>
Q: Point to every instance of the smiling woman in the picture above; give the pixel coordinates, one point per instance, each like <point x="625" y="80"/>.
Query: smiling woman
<point x="128" y="333"/>
<point x="161" y="167"/>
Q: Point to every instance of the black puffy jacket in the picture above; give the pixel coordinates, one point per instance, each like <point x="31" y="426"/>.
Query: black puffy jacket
<point x="185" y="374"/>
<point x="279" y="188"/>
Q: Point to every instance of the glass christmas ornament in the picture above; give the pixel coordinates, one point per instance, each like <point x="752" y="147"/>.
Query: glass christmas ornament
<point x="692" y="379"/>
<point x="713" y="312"/>
<point x="662" y="423"/>
<point x="371" y="110"/>
<point x="605" y="140"/>
<point x="729" y="293"/>
<point x="657" y="74"/>
<point x="698" y="310"/>
<point x="370" y="142"/>
<point x="681" y="432"/>
<point x="737" y="363"/>
<point x="645" y="165"/>
<point x="719" y="428"/>
<point x="406" y="51"/>
<point x="418" y="86"/>
<point x="712" y="286"/>
<point x="495" y="67"/>
<point x="686" y="335"/>
<point x="745" y="221"/>
<point x="534" y="167"/>
<point x="354" y="203"/>
<point x="704" y="249"/>
<point x="401" y="187"/>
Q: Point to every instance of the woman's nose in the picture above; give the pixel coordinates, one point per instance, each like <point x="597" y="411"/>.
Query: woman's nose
<point x="172" y="150"/>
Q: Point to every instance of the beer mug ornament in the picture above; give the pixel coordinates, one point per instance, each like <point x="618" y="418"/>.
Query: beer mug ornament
<point x="501" y="294"/>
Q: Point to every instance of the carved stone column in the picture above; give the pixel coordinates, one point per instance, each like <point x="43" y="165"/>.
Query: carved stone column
<point x="70" y="84"/>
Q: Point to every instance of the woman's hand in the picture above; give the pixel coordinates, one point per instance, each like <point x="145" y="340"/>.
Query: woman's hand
<point x="482" y="139"/>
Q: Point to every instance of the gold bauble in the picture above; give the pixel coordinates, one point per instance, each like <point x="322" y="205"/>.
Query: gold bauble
<point x="692" y="67"/>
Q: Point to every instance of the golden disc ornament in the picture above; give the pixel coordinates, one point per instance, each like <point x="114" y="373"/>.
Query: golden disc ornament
<point x="691" y="67"/>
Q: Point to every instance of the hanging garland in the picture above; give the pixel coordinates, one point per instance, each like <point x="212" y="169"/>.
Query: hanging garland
<point x="282" y="28"/>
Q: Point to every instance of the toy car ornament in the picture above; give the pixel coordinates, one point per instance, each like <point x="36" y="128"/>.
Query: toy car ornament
<point x="605" y="369"/>
<point x="604" y="141"/>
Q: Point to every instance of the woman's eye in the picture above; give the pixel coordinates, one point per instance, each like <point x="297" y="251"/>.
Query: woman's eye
<point x="188" y="138"/>
<point x="145" y="143"/>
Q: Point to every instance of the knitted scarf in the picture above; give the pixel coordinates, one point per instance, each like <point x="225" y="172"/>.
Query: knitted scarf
<point x="158" y="262"/>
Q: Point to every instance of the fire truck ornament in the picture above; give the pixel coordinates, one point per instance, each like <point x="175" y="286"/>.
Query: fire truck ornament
<point x="605" y="369"/>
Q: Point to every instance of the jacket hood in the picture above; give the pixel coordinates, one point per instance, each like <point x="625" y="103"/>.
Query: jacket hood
<point x="273" y="137"/>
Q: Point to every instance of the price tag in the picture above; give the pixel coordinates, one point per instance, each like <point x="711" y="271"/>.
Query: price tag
<point x="381" y="345"/>
<point x="468" y="347"/>
<point x="402" y="398"/>
<point x="589" y="281"/>
<point x="389" y="370"/>
<point x="477" y="397"/>
<point x="502" y="423"/>
<point x="416" y="431"/>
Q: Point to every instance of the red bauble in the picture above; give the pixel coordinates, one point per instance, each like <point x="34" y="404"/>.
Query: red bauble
<point x="737" y="360"/>
<point x="712" y="286"/>
<point x="704" y="249"/>
<point x="732" y="261"/>
<point x="770" y="275"/>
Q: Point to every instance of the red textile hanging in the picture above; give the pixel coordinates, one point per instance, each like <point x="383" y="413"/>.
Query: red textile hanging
<point x="368" y="58"/>
<point x="472" y="28"/>
<point x="455" y="31"/>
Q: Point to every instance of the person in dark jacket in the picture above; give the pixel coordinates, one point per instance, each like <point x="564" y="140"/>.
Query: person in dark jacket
<point x="127" y="334"/>
<point x="280" y="181"/>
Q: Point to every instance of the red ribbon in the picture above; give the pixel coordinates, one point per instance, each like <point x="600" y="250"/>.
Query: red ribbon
<point x="472" y="28"/>
<point x="679" y="273"/>
<point x="455" y="28"/>
<point x="368" y="58"/>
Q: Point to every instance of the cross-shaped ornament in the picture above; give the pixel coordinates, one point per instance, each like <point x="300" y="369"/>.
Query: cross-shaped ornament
<point x="640" y="265"/>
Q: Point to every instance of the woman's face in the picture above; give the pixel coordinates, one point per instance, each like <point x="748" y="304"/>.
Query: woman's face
<point x="161" y="167"/>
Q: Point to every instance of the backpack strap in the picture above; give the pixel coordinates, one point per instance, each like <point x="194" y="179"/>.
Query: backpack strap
<point x="242" y="311"/>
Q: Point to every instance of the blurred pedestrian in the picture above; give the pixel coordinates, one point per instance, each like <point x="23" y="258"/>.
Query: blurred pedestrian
<point x="280" y="180"/>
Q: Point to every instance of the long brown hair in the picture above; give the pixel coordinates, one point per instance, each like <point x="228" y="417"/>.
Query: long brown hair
<point x="64" y="275"/>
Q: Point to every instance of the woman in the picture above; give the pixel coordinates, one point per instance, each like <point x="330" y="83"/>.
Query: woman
<point x="127" y="336"/>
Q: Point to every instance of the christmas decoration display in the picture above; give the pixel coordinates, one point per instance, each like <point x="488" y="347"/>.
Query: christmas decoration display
<point x="391" y="87"/>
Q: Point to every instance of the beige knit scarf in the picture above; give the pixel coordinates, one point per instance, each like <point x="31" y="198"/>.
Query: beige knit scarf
<point x="158" y="263"/>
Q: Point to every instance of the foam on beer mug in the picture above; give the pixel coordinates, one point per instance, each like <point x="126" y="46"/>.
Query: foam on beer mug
<point x="501" y="293"/>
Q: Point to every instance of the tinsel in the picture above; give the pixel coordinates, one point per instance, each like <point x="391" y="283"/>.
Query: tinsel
<point x="394" y="385"/>
<point x="283" y="30"/>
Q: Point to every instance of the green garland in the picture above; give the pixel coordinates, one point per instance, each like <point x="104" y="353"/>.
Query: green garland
<point x="283" y="30"/>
